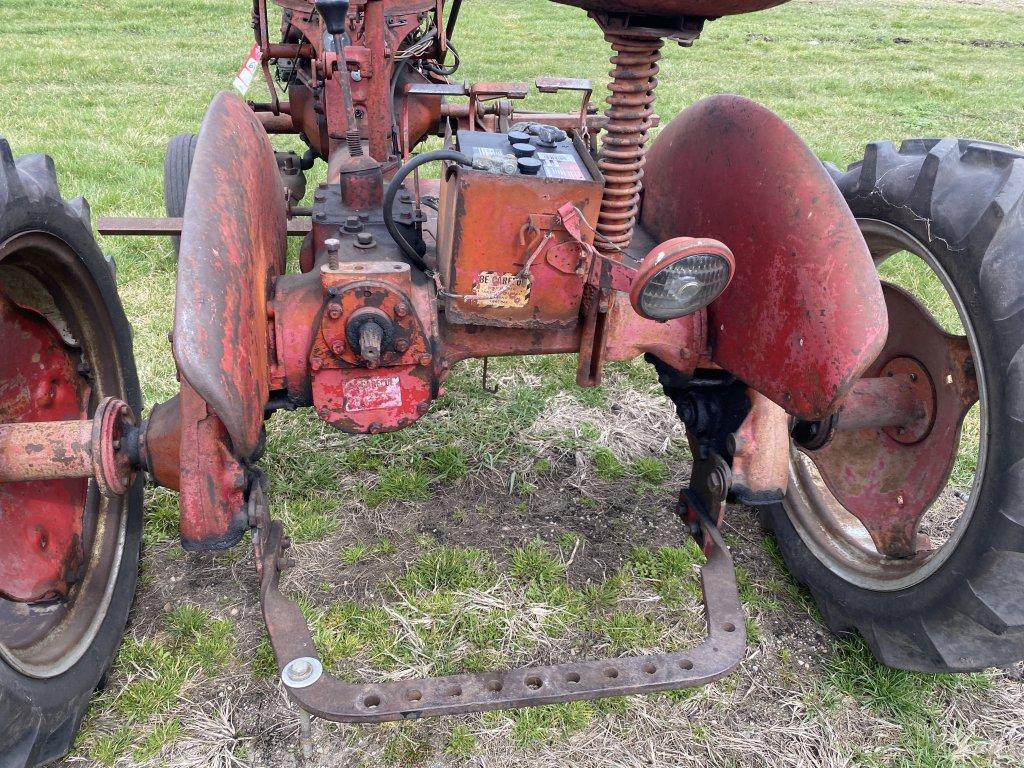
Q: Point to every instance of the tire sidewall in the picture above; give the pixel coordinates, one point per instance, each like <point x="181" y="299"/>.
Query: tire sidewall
<point x="58" y="698"/>
<point x="997" y="342"/>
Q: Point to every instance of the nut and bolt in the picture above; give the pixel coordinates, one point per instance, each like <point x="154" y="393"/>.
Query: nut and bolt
<point x="300" y="670"/>
<point x="332" y="244"/>
<point x="365" y="240"/>
<point x="334" y="311"/>
<point x="338" y="348"/>
<point x="284" y="562"/>
<point x="352" y="225"/>
<point x="401" y="310"/>
<point x="402" y="345"/>
<point x="404" y="196"/>
<point x="716" y="483"/>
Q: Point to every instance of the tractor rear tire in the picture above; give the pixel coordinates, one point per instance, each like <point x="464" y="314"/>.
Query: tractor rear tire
<point x="181" y="151"/>
<point x="46" y="682"/>
<point x="964" y="202"/>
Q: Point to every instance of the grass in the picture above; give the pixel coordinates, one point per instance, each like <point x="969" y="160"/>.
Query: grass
<point x="102" y="85"/>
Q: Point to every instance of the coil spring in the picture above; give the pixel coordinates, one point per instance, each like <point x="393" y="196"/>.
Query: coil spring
<point x="630" y="115"/>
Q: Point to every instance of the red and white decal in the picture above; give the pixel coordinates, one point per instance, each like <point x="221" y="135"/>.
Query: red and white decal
<point x="370" y="394"/>
<point x="244" y="78"/>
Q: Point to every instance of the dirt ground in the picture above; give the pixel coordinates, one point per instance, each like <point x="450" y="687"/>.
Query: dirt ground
<point x="798" y="699"/>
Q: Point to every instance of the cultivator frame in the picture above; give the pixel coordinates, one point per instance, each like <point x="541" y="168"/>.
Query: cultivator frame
<point x="369" y="329"/>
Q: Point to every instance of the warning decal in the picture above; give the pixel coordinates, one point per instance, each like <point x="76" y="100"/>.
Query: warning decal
<point x="560" y="166"/>
<point x="370" y="394"/>
<point x="244" y="78"/>
<point x="501" y="289"/>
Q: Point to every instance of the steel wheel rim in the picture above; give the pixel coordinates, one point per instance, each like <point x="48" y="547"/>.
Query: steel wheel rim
<point x="829" y="531"/>
<point x="58" y="636"/>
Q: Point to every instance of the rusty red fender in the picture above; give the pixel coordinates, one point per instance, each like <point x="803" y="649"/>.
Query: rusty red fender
<point x="804" y="315"/>
<point x="232" y="248"/>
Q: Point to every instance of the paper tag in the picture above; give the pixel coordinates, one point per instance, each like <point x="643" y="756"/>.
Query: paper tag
<point x="245" y="76"/>
<point x="560" y="166"/>
<point x="502" y="289"/>
<point x="370" y="394"/>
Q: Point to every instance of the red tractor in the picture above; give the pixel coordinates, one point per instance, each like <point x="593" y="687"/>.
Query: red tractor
<point x="723" y="252"/>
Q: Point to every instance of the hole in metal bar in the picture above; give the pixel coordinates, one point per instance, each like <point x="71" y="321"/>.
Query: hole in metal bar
<point x="455" y="691"/>
<point x="371" y="701"/>
<point x="729" y="626"/>
<point x="611" y="672"/>
<point x="533" y="682"/>
<point x="649" y="668"/>
<point x="686" y="664"/>
<point x="572" y="677"/>
<point x="493" y="685"/>
<point x="413" y="695"/>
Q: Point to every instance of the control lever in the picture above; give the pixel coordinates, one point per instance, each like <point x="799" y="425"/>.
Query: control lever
<point x="335" y="15"/>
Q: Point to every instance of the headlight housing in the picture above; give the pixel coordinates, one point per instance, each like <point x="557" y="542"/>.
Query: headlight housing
<point x="680" y="277"/>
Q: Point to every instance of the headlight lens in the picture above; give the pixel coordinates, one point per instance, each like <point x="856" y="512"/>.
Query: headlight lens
<point x="680" y="277"/>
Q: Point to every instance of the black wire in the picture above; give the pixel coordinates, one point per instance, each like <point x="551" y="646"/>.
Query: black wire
<point x="395" y="185"/>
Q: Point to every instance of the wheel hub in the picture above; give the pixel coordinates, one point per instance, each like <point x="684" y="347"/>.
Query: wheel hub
<point x="887" y="477"/>
<point x="42" y="550"/>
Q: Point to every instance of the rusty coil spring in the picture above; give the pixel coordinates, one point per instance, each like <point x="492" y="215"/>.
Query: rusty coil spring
<point x="630" y="116"/>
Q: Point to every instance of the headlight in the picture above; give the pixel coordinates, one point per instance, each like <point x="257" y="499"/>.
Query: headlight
<point x="681" y="276"/>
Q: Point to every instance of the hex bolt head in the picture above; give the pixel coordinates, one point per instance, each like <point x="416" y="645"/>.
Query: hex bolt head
<point x="300" y="670"/>
<point x="365" y="240"/>
<point x="352" y="224"/>
<point x="401" y="310"/>
<point x="402" y="345"/>
<point x="332" y="244"/>
<point x="334" y="311"/>
<point x="338" y="347"/>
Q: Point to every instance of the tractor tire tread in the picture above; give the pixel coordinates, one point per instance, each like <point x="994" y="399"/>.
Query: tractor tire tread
<point x="965" y="201"/>
<point x="181" y="150"/>
<point x="38" y="722"/>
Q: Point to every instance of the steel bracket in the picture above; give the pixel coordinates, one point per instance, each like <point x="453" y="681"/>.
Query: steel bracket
<point x="332" y="699"/>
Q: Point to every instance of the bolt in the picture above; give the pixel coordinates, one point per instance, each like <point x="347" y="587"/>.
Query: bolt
<point x="404" y="196"/>
<point x="365" y="240"/>
<point x="284" y="562"/>
<point x="352" y="224"/>
<point x="374" y="428"/>
<point x="315" y="364"/>
<point x="716" y="483"/>
<point x="425" y="359"/>
<point x="332" y="244"/>
<point x="402" y="345"/>
<point x="300" y="670"/>
<point x="338" y="347"/>
<point x="401" y="310"/>
<point x="334" y="311"/>
<point x="320" y="216"/>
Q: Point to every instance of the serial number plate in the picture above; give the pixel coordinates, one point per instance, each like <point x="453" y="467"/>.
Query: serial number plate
<point x="371" y="394"/>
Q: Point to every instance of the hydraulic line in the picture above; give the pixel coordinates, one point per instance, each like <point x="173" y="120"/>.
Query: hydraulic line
<point x="395" y="186"/>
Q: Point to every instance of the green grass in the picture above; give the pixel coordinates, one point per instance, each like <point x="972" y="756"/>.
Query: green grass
<point x="102" y="85"/>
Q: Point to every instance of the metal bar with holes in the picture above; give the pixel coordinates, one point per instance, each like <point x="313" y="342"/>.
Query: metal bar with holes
<point x="327" y="697"/>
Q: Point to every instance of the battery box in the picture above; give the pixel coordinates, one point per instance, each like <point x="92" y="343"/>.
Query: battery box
<point x="497" y="213"/>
